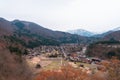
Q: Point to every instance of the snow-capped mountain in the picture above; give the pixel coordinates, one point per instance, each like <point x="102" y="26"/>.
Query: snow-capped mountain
<point x="81" y="32"/>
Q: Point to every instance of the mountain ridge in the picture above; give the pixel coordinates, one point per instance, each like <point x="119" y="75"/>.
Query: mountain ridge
<point x="31" y="35"/>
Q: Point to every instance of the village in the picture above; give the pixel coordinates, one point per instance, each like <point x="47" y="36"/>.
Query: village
<point x="54" y="57"/>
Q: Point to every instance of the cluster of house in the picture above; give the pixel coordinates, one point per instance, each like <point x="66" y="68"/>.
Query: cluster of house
<point x="82" y="58"/>
<point x="54" y="51"/>
<point x="49" y="51"/>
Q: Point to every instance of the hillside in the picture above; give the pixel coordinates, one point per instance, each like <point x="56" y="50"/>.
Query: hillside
<point x="13" y="67"/>
<point x="113" y="35"/>
<point x="104" y="49"/>
<point x="29" y="34"/>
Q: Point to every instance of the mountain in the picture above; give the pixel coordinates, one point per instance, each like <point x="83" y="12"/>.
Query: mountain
<point x="112" y="36"/>
<point x="111" y="31"/>
<point x="29" y="34"/>
<point x="81" y="32"/>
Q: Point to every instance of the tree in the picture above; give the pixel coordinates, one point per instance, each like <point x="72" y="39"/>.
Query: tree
<point x="13" y="67"/>
<point x="113" y="69"/>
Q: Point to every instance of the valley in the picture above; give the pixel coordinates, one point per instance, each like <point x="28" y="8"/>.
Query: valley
<point x="44" y="53"/>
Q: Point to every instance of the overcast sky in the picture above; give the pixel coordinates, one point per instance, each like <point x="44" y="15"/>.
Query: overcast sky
<point x="62" y="15"/>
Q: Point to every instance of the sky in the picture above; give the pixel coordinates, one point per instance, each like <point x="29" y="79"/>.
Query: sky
<point x="92" y="15"/>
